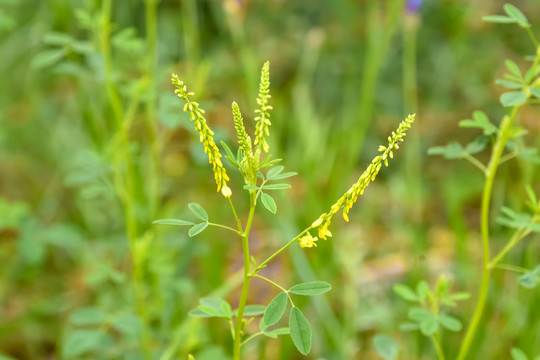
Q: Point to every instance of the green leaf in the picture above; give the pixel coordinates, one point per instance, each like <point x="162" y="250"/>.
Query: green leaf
<point x="212" y="307"/>
<point x="429" y="326"/>
<point x="450" y="323"/>
<point x="300" y="331"/>
<point x="422" y="289"/>
<point x="226" y="309"/>
<point x="252" y="310"/>
<point x="197" y="229"/>
<point x="459" y="296"/>
<point x="275" y="333"/>
<point x="79" y="342"/>
<point x="275" y="309"/>
<point x="311" y="288"/>
<point x="173" y="222"/>
<point x="450" y="151"/>
<point x="499" y="19"/>
<point x="276" y="186"/>
<point x="515" y="13"/>
<point x="518" y="354"/>
<point x="529" y="280"/>
<point x="477" y="144"/>
<point x="269" y="203"/>
<point x="512" y="66"/>
<point x="88" y="316"/>
<point x="284" y="175"/>
<point x="420" y="314"/>
<point x="535" y="92"/>
<point x="406" y="292"/>
<point x="409" y="326"/>
<point x="274" y="171"/>
<point x="509" y="84"/>
<point x="128" y="324"/>
<point x="481" y="121"/>
<point x="513" y="98"/>
<point x="386" y="347"/>
<point x="200" y="313"/>
<point x="47" y="58"/>
<point x="230" y="155"/>
<point x="57" y="38"/>
<point x="198" y="211"/>
<point x="268" y="162"/>
<point x="251" y="187"/>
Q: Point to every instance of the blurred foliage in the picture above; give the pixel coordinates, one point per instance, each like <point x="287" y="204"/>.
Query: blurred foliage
<point x="94" y="146"/>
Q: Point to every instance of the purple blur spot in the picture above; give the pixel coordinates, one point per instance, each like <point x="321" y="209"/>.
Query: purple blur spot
<point x="413" y="6"/>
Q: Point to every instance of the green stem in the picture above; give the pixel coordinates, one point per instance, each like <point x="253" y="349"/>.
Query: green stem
<point x="151" y="106"/>
<point x="494" y="162"/>
<point x="245" y="286"/>
<point x="516" y="238"/>
<point x="238" y="223"/>
<point x="263" y="264"/>
<point x="435" y="339"/>
<point x="276" y="285"/>
<point x="514" y="268"/>
<point x="225" y="227"/>
<point x="251" y="337"/>
<point x="475" y="162"/>
<point x="533" y="38"/>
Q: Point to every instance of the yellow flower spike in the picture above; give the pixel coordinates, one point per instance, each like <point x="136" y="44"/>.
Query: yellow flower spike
<point x="263" y="113"/>
<point x="205" y="135"/>
<point x="349" y="198"/>
<point x="308" y="241"/>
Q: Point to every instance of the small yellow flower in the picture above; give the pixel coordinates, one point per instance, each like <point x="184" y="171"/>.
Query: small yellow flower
<point x="324" y="232"/>
<point x="308" y="241"/>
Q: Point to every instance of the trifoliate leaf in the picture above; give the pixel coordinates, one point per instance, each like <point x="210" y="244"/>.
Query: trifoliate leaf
<point x="311" y="288"/>
<point x="429" y="326"/>
<point x="276" y="186"/>
<point x="499" y="19"/>
<point x="198" y="211"/>
<point x="406" y="292"/>
<point x="269" y="203"/>
<point x="300" y="331"/>
<point x="197" y="229"/>
<point x="513" y="98"/>
<point x="274" y="171"/>
<point x="386" y="346"/>
<point x="173" y="222"/>
<point x="518" y="354"/>
<point x="450" y="323"/>
<point x="516" y="14"/>
<point x="275" y="309"/>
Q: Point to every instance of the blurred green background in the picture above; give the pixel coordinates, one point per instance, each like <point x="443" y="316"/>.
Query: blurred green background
<point x="94" y="146"/>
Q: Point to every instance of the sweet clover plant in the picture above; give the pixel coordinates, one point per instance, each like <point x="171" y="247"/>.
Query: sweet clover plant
<point x="261" y="177"/>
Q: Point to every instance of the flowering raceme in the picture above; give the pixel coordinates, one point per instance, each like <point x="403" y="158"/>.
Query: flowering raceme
<point x="350" y="197"/>
<point x="205" y="135"/>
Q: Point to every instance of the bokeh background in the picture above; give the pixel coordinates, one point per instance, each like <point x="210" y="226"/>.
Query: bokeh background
<point x="94" y="147"/>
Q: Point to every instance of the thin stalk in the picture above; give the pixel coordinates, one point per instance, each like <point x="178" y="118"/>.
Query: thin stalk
<point x="151" y="106"/>
<point x="476" y="162"/>
<point x="486" y="199"/>
<point x="519" y="235"/>
<point x="436" y="340"/>
<point x="245" y="286"/>
<point x="271" y="282"/>
<point x="238" y="223"/>
<point x="509" y="267"/>
<point x="225" y="227"/>
<point x="263" y="264"/>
